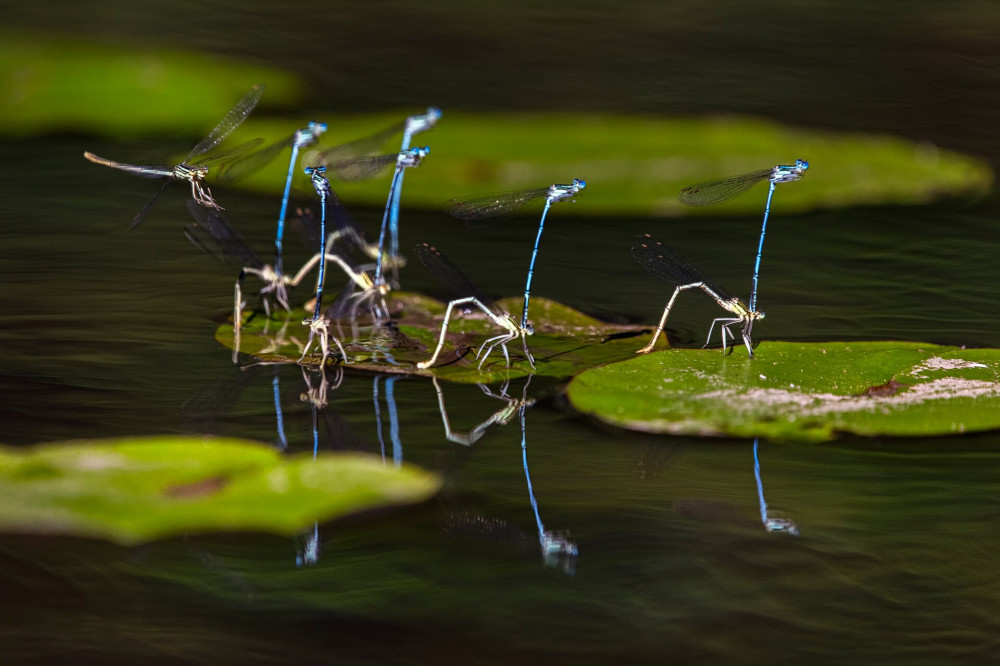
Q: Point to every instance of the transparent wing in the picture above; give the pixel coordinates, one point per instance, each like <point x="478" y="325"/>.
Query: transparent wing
<point x="361" y="168"/>
<point x="230" y="155"/>
<point x="663" y="263"/>
<point x="492" y="205"/>
<point x="451" y="276"/>
<point x="717" y="191"/>
<point x="364" y="147"/>
<point x="241" y="167"/>
<point x="212" y="232"/>
<point x="229" y="122"/>
<point x="141" y="215"/>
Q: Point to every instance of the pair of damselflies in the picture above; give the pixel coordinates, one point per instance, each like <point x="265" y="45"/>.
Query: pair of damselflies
<point x="195" y="167"/>
<point x="666" y="264"/>
<point x="474" y="210"/>
<point x="364" y="167"/>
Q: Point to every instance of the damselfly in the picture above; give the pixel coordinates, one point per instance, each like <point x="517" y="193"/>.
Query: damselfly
<point x="194" y="167"/>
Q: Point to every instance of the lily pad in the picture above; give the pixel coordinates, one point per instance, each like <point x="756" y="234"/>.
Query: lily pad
<point x="565" y="342"/>
<point x="135" y="490"/>
<point x="799" y="391"/>
<point x="49" y="84"/>
<point x="637" y="165"/>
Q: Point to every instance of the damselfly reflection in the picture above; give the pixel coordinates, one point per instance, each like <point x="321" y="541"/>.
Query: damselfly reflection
<point x="557" y="549"/>
<point x="772" y="522"/>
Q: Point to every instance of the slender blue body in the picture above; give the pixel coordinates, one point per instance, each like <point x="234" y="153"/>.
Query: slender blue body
<point x="413" y="125"/>
<point x="531" y="264"/>
<point x="304" y="137"/>
<point x="390" y="402"/>
<point x="760" y="249"/>
<point x="322" y="187"/>
<point x="282" y="439"/>
<point x="407" y="158"/>
<point x="378" y="416"/>
<point x="771" y="523"/>
<point x="527" y="476"/>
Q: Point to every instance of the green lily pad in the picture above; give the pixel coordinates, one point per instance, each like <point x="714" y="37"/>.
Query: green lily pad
<point x="634" y="165"/>
<point x="565" y="342"/>
<point x="637" y="165"/>
<point x="135" y="490"/>
<point x="799" y="391"/>
<point x="49" y="84"/>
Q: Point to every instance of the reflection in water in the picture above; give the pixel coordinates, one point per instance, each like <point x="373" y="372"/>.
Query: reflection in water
<point x="556" y="547"/>
<point x="502" y="416"/>
<point x="278" y="414"/>
<point x="390" y="403"/>
<point x="308" y="545"/>
<point x="771" y="522"/>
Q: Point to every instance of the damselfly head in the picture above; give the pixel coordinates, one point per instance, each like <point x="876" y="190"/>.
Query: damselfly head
<point x="188" y="172"/>
<point x="413" y="156"/>
<point x="802" y="164"/>
<point x="579" y="183"/>
<point x="529" y="329"/>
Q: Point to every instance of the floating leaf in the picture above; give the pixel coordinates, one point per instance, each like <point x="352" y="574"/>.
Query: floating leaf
<point x="636" y="166"/>
<point x="49" y="84"/>
<point x="800" y="391"/>
<point x="140" y="489"/>
<point x="565" y="342"/>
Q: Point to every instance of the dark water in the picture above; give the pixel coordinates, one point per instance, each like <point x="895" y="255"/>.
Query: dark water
<point x="106" y="332"/>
